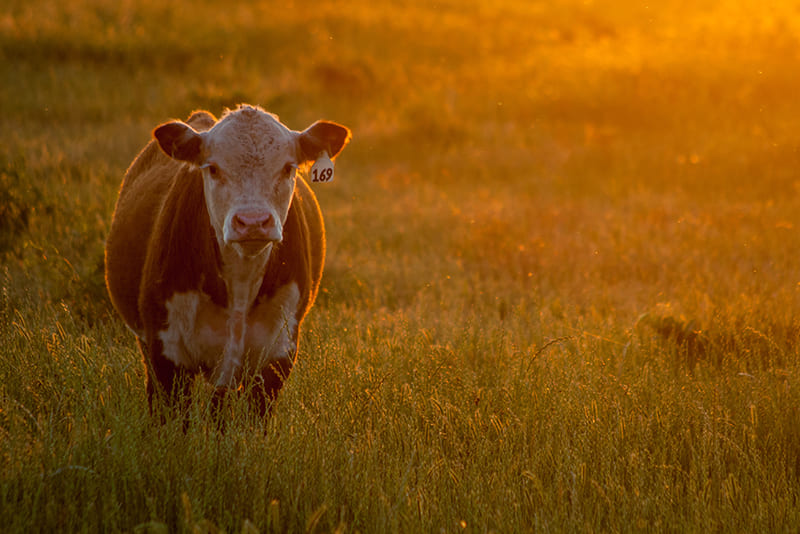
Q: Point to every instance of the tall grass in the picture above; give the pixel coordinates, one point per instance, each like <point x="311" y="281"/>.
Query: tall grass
<point x="561" y="288"/>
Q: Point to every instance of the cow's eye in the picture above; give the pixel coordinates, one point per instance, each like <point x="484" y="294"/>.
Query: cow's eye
<point x="213" y="170"/>
<point x="288" y="169"/>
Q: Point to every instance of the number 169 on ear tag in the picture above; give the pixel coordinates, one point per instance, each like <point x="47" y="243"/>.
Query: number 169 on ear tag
<point x="322" y="170"/>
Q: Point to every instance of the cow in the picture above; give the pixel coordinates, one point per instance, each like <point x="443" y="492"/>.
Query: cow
<point x="216" y="249"/>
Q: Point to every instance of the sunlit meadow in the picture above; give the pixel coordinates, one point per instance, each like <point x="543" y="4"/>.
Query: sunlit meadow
<point x="562" y="285"/>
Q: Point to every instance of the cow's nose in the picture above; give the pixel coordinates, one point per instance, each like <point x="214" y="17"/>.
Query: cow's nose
<point x="252" y="222"/>
<point x="255" y="226"/>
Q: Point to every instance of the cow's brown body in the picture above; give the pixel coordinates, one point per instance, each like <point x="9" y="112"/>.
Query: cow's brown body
<point x="162" y="252"/>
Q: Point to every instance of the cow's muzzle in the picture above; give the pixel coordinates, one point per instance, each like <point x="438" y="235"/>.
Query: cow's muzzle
<point x="254" y="230"/>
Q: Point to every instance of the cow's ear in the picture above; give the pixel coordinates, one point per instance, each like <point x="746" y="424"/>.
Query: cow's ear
<point x="323" y="136"/>
<point x="179" y="141"/>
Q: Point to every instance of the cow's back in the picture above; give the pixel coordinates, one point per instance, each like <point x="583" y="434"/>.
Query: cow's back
<point x="142" y="194"/>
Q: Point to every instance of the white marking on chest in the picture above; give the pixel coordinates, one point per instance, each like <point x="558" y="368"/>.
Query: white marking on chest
<point x="203" y="336"/>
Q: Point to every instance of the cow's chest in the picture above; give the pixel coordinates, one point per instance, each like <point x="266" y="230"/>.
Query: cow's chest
<point x="220" y="341"/>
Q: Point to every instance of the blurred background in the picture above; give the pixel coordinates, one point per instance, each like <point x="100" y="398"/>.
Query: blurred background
<point x="650" y="146"/>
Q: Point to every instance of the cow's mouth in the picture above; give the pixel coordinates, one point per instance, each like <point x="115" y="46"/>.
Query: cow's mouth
<point x="252" y="247"/>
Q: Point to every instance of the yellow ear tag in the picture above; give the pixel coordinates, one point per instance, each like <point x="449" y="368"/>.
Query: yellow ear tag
<point x="322" y="170"/>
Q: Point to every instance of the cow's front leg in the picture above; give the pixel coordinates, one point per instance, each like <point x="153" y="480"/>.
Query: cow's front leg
<point x="268" y="382"/>
<point x="166" y="381"/>
<point x="277" y="332"/>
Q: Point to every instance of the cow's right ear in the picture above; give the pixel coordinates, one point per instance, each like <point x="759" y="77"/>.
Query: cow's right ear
<point x="180" y="141"/>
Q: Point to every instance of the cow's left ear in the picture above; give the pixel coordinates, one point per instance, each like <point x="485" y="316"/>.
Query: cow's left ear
<point x="180" y="141"/>
<point x="323" y="136"/>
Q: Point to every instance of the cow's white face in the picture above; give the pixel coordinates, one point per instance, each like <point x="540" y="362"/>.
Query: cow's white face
<point x="249" y="162"/>
<point x="249" y="166"/>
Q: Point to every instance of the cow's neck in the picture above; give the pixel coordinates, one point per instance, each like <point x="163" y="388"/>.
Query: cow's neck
<point x="243" y="278"/>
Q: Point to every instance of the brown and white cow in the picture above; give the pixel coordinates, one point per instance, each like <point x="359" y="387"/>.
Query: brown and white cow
<point x="216" y="248"/>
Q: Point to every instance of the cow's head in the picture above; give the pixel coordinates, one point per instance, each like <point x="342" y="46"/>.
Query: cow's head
<point x="249" y="162"/>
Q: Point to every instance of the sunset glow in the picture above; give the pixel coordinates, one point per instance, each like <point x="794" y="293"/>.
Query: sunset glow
<point x="561" y="289"/>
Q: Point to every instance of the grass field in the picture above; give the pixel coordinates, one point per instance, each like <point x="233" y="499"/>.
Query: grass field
<point x="562" y="287"/>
